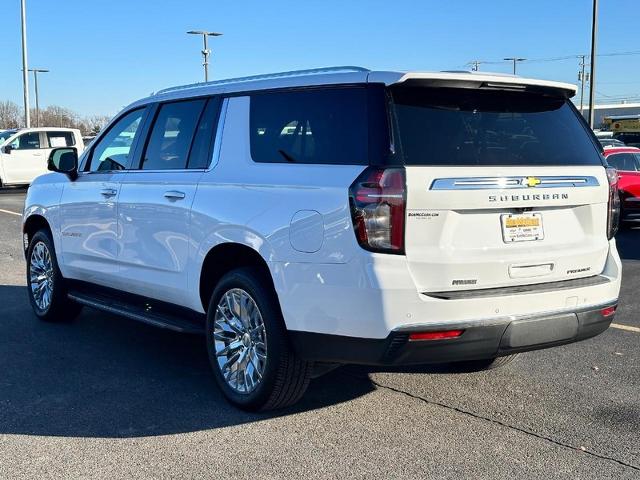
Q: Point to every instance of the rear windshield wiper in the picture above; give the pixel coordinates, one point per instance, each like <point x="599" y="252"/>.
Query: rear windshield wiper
<point x="287" y="157"/>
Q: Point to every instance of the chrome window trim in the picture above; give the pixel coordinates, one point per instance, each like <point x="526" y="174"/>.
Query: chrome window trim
<point x="505" y="183"/>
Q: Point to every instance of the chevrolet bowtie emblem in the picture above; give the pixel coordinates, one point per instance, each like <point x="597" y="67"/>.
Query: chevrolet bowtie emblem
<point x="531" y="181"/>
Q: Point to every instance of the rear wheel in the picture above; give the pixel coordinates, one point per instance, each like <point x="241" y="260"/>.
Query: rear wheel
<point x="247" y="344"/>
<point x="46" y="286"/>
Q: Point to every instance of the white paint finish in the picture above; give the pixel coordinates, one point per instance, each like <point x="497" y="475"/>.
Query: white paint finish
<point x="253" y="203"/>
<point x="154" y="223"/>
<point x="375" y="294"/>
<point x="390" y="78"/>
<point x="461" y="238"/>
<point x="88" y="227"/>
<point x="338" y="287"/>
<point x="23" y="166"/>
<point x="306" y="231"/>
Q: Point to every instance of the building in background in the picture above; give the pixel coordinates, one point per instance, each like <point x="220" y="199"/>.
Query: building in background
<point x="608" y="110"/>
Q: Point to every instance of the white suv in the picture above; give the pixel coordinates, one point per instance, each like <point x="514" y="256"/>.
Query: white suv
<point x="315" y="218"/>
<point x="24" y="152"/>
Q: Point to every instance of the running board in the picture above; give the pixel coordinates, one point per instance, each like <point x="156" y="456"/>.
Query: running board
<point x="142" y="309"/>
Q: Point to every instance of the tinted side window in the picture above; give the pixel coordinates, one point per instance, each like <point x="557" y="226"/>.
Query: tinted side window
<point x="27" y="141"/>
<point x="172" y="134"/>
<point x="113" y="149"/>
<point x="311" y="126"/>
<point x="199" y="156"/>
<point x="61" y="139"/>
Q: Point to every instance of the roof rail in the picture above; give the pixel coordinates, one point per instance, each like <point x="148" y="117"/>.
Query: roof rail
<point x="267" y="76"/>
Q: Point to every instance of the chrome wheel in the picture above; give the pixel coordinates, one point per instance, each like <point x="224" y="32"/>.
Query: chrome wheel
<point x="41" y="275"/>
<point x="240" y="341"/>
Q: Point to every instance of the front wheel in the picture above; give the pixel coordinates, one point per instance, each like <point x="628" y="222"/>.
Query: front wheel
<point x="247" y="344"/>
<point x="45" y="284"/>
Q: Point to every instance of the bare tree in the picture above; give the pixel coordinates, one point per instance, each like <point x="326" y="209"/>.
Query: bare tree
<point x="10" y="115"/>
<point x="52" y="116"/>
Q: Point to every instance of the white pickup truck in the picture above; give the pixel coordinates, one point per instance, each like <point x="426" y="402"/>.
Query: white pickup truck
<point x="24" y="152"/>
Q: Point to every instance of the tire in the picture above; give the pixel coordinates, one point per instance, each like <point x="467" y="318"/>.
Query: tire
<point x="45" y="284"/>
<point x="273" y="376"/>
<point x="486" y="364"/>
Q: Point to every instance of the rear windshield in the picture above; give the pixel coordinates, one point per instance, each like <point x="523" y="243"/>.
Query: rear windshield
<point x="625" y="161"/>
<point x="447" y="126"/>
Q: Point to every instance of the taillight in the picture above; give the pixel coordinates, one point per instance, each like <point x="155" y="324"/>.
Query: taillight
<point x="613" y="216"/>
<point x="378" y="198"/>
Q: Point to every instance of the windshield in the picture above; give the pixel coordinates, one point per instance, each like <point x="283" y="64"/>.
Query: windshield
<point x="5" y="135"/>
<point x="447" y="126"/>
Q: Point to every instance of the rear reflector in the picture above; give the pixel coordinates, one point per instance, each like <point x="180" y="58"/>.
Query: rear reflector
<point x="436" y="335"/>
<point x="607" y="312"/>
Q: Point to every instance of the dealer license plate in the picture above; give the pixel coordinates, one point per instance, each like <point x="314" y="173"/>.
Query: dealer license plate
<point x="521" y="227"/>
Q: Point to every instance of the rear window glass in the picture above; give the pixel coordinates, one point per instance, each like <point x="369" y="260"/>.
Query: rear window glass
<point x="61" y="139"/>
<point x="311" y="126"/>
<point x="471" y="127"/>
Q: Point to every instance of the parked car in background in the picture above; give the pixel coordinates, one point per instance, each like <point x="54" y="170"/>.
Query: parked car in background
<point x="610" y="142"/>
<point x="24" y="152"/>
<point x="87" y="140"/>
<point x="627" y="161"/>
<point x="309" y="219"/>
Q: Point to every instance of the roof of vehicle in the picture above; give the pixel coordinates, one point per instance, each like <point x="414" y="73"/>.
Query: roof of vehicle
<point x="623" y="117"/>
<point x="351" y="75"/>
<point x="613" y="150"/>
<point x="48" y="129"/>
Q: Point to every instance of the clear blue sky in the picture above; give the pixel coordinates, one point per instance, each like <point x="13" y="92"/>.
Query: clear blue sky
<point x="104" y="54"/>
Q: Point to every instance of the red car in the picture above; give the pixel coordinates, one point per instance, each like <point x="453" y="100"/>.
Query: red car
<point x="627" y="161"/>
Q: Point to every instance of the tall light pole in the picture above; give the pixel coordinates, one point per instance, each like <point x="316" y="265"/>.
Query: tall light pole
<point x="515" y="60"/>
<point x="36" y="71"/>
<point x="25" y="72"/>
<point x="205" y="51"/>
<point x="583" y="79"/>
<point x="592" y="86"/>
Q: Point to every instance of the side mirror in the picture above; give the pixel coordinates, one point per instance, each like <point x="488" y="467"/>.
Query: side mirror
<point x="7" y="149"/>
<point x="64" y="160"/>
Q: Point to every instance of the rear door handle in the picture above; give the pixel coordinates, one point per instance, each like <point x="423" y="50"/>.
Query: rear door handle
<point x="174" y="195"/>
<point x="109" y="192"/>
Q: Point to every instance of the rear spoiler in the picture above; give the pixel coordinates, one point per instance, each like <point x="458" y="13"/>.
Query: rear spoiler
<point x="474" y="80"/>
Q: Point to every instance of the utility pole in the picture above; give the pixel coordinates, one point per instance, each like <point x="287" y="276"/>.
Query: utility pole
<point x="583" y="79"/>
<point x="35" y="83"/>
<point x="592" y="85"/>
<point x="25" y="72"/>
<point x="205" y="51"/>
<point x="515" y="60"/>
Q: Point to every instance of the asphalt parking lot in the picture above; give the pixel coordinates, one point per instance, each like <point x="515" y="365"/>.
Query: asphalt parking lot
<point x="105" y="397"/>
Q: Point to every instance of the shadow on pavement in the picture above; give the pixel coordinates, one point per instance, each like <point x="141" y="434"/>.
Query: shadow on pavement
<point x="628" y="242"/>
<point x="13" y="190"/>
<point x="103" y="376"/>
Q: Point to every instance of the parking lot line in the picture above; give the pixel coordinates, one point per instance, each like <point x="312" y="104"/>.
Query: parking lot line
<point x="628" y="328"/>
<point x="10" y="212"/>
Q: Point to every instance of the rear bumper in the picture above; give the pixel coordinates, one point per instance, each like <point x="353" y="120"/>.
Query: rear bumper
<point x="480" y="340"/>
